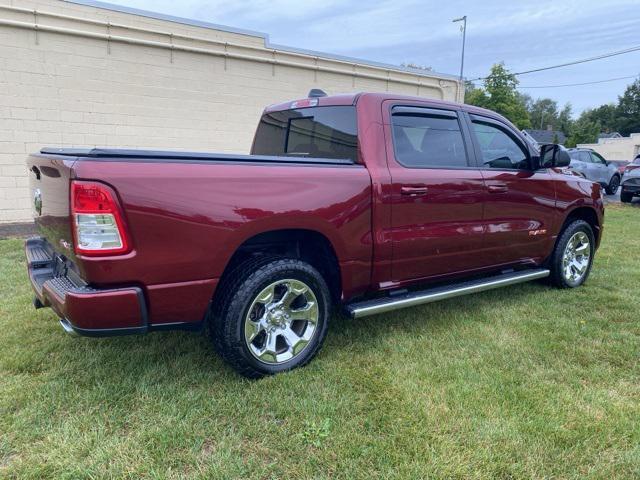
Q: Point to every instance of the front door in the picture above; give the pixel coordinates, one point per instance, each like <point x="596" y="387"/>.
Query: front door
<point x="600" y="168"/>
<point x="519" y="201"/>
<point x="436" y="193"/>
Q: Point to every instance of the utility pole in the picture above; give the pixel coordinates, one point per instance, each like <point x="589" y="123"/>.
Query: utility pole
<point x="464" y="38"/>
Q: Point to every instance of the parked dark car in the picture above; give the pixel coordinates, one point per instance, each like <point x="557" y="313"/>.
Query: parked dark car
<point x="370" y="201"/>
<point x="631" y="181"/>
<point x="592" y="166"/>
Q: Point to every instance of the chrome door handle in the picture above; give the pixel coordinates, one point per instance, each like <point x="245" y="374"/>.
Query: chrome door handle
<point x="413" y="190"/>
<point x="498" y="188"/>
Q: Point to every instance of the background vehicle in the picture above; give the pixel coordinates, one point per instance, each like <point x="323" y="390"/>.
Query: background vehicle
<point x="595" y="168"/>
<point x="631" y="181"/>
<point x="635" y="164"/>
<point x="621" y="165"/>
<point x="371" y="201"/>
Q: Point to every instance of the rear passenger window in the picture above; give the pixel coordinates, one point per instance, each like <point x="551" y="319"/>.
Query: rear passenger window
<point x="428" y="140"/>
<point x="498" y="149"/>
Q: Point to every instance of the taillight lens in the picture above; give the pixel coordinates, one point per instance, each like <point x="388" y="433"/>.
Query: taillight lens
<point x="97" y="220"/>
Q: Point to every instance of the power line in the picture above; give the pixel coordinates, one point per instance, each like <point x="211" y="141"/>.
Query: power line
<point x="575" y="62"/>
<point x="584" y="83"/>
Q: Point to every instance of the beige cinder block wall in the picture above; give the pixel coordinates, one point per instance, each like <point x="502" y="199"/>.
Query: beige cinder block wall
<point x="625" y="148"/>
<point x="80" y="75"/>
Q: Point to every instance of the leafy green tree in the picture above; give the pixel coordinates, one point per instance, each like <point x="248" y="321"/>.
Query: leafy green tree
<point x="565" y="121"/>
<point x="608" y="116"/>
<point x="583" y="130"/>
<point x="499" y="94"/>
<point x="629" y="109"/>
<point x="543" y="112"/>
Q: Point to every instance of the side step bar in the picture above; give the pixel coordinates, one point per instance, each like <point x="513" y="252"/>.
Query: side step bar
<point x="387" y="304"/>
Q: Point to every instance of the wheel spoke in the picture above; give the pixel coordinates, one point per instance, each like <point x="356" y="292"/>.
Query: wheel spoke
<point x="309" y="312"/>
<point x="291" y="338"/>
<point x="582" y="248"/>
<point x="252" y="329"/>
<point x="266" y="296"/>
<point x="294" y="290"/>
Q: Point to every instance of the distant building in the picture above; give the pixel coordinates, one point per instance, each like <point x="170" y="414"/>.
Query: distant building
<point x="540" y="137"/>
<point x="609" y="135"/>
<point x="616" y="148"/>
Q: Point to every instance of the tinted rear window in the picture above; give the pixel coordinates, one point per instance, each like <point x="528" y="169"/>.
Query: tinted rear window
<point x="325" y="132"/>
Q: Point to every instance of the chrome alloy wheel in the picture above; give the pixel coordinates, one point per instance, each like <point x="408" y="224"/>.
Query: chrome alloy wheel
<point x="281" y="321"/>
<point x="576" y="256"/>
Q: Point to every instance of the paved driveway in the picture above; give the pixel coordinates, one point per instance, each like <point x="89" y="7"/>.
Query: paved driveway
<point x="616" y="199"/>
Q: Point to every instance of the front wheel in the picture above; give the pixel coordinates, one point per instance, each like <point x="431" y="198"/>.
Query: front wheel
<point x="625" y="197"/>
<point x="271" y="316"/>
<point x="572" y="257"/>
<point x="613" y="186"/>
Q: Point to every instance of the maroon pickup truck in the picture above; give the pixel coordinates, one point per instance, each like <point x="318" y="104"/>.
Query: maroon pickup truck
<point x="371" y="201"/>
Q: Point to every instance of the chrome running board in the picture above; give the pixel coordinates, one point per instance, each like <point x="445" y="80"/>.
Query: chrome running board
<point x="387" y="304"/>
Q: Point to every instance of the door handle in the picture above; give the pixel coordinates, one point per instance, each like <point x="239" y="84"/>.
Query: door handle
<point x="498" y="188"/>
<point x="413" y="190"/>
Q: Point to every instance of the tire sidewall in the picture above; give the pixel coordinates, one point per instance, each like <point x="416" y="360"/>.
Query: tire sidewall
<point x="570" y="231"/>
<point x="610" y="189"/>
<point x="255" y="283"/>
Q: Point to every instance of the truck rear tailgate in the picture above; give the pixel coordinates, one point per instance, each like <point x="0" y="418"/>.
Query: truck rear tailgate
<point x="49" y="180"/>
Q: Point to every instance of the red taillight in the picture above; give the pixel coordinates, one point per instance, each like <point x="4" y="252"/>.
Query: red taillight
<point x="98" y="226"/>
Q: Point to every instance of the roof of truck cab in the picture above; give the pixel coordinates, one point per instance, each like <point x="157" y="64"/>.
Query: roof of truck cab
<point x="353" y="98"/>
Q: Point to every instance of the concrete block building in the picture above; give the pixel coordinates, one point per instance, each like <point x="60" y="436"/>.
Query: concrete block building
<point x="85" y="74"/>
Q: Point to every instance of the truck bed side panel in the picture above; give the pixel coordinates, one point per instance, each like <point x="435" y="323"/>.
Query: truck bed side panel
<point x="186" y="219"/>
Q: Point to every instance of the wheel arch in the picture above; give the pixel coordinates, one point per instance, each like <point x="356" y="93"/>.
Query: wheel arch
<point x="305" y="244"/>
<point x="589" y="215"/>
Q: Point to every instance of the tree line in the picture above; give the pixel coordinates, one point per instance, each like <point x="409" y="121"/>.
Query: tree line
<point x="499" y="93"/>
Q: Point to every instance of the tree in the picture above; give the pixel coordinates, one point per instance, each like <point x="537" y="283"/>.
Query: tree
<point x="499" y="94"/>
<point x="606" y="115"/>
<point x="629" y="109"/>
<point x="583" y="130"/>
<point x="564" y="119"/>
<point x="543" y="112"/>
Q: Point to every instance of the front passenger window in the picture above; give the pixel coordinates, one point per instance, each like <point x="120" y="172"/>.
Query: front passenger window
<point x="498" y="149"/>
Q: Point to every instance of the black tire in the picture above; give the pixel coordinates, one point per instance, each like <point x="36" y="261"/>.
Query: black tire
<point x="625" y="197"/>
<point x="230" y="312"/>
<point x="558" y="277"/>
<point x="613" y="186"/>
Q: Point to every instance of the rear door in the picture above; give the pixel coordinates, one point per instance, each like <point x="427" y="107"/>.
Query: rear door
<point x="436" y="192"/>
<point x="519" y="201"/>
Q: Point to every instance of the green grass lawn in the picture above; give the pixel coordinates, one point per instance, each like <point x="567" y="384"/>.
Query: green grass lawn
<point x="524" y="382"/>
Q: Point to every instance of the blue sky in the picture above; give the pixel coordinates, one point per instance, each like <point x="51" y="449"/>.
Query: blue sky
<point x="524" y="34"/>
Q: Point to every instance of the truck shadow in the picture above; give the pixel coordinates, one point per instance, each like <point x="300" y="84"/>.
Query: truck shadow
<point x="178" y="358"/>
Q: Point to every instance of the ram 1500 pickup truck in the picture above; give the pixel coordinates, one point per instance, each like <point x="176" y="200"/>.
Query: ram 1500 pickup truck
<point x="369" y="201"/>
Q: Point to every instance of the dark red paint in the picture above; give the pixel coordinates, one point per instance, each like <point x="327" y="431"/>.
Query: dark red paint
<point x="186" y="220"/>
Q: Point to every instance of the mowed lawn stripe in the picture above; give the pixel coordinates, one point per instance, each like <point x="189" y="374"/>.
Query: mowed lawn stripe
<point x="523" y="382"/>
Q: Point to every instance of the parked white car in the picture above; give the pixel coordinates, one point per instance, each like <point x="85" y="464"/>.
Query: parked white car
<point x="594" y="167"/>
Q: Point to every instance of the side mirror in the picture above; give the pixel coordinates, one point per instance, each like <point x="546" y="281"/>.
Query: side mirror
<point x="552" y="155"/>
<point x="562" y="158"/>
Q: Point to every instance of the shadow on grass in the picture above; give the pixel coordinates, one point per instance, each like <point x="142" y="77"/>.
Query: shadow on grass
<point x="179" y="357"/>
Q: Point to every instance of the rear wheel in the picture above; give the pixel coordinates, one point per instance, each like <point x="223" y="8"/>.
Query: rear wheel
<point x="572" y="257"/>
<point x="625" y="197"/>
<point x="271" y="316"/>
<point x="613" y="186"/>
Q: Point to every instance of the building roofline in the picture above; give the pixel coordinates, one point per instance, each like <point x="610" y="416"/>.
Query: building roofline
<point x="263" y="36"/>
